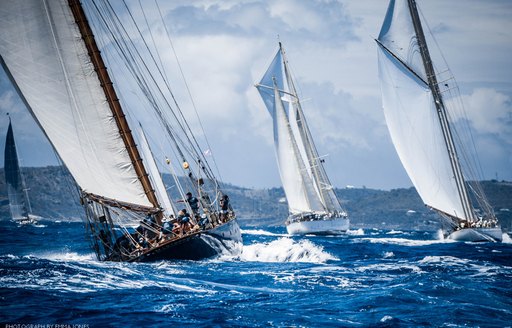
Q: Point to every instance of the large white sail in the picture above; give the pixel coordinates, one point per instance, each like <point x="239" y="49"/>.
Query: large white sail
<point x="398" y="36"/>
<point x="309" y="152"/>
<point x="44" y="54"/>
<point x="411" y="114"/>
<point x="297" y="185"/>
<point x="300" y="151"/>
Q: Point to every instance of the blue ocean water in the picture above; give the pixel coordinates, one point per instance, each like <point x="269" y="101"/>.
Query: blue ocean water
<point x="365" y="278"/>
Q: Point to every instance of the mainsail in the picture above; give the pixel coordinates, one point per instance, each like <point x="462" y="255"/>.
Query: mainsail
<point x="47" y="59"/>
<point x="16" y="191"/>
<point x="415" y="113"/>
<point x="49" y="52"/>
<point x="305" y="182"/>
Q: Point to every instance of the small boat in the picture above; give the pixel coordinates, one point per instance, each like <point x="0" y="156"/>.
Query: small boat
<point x="17" y="192"/>
<point x="312" y="203"/>
<point x="52" y="58"/>
<point x="418" y="98"/>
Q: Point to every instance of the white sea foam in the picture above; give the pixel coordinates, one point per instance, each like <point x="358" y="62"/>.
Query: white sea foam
<point x="358" y="232"/>
<point x="261" y="232"/>
<point x="388" y="255"/>
<point x="478" y="269"/>
<point x="383" y="267"/>
<point x="285" y="250"/>
<point x="394" y="232"/>
<point x="386" y="318"/>
<point x="506" y="238"/>
<point x="405" y="242"/>
<point x="67" y="256"/>
<point x="444" y="260"/>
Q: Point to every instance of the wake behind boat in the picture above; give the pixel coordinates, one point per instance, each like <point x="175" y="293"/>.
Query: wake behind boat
<point x="52" y="58"/>
<point x="417" y="100"/>
<point x="313" y="205"/>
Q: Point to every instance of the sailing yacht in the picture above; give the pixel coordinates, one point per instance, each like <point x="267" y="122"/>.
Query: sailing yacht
<point x="50" y="54"/>
<point x="417" y="98"/>
<point x="19" y="203"/>
<point x="312" y="203"/>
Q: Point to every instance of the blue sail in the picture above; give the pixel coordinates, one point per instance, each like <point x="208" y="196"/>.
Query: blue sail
<point x="18" y="201"/>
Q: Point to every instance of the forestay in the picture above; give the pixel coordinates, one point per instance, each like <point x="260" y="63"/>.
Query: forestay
<point x="48" y="62"/>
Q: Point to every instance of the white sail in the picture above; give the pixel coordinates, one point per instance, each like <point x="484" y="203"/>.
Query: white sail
<point x="411" y="114"/>
<point x="301" y="170"/>
<point x="16" y="192"/>
<point x="398" y="36"/>
<point x="44" y="54"/>
<point x="297" y="185"/>
<point x="154" y="174"/>
<point x="308" y="151"/>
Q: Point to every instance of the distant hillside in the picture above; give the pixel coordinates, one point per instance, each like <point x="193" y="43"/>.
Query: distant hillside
<point x="53" y="195"/>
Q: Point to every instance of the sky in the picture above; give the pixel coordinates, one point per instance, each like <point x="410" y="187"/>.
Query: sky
<point x="224" y="47"/>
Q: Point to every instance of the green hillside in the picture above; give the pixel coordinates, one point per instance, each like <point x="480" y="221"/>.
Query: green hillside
<point x="53" y="195"/>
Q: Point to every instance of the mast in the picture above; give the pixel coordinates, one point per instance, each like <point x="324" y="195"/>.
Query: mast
<point x="113" y="101"/>
<point x="441" y="112"/>
<point x="280" y="108"/>
<point x="320" y="180"/>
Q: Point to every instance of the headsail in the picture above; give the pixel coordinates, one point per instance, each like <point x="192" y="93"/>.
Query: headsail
<point x="154" y="173"/>
<point x="18" y="200"/>
<point x="48" y="62"/>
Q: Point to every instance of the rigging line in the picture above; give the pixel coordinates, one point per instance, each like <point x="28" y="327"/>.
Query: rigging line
<point x="463" y="110"/>
<point x="187" y="87"/>
<point x="154" y="43"/>
<point x="472" y="160"/>
<point x="319" y="174"/>
<point x="188" y="131"/>
<point x="135" y="68"/>
<point x="158" y="69"/>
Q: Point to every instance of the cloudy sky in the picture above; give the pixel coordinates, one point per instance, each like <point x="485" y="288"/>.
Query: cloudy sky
<point x="225" y="46"/>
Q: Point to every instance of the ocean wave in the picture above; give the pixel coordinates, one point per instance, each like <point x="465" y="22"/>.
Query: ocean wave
<point x="444" y="260"/>
<point x="66" y="256"/>
<point x="285" y="250"/>
<point x="94" y="276"/>
<point x="506" y="238"/>
<point x="261" y="232"/>
<point x="387" y="255"/>
<point x="405" y="242"/>
<point x="358" y="232"/>
<point x="402" y="267"/>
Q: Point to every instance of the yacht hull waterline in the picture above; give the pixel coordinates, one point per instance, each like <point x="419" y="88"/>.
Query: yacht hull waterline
<point x="477" y="235"/>
<point x="224" y="239"/>
<point x="324" y="226"/>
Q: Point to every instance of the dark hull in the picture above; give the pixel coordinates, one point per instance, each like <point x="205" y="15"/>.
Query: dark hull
<point x="223" y="239"/>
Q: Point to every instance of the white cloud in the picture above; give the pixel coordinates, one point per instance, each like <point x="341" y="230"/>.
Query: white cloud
<point x="490" y="112"/>
<point x="225" y="46"/>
